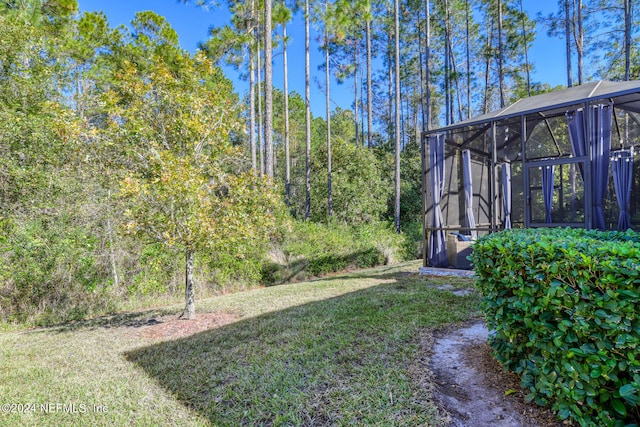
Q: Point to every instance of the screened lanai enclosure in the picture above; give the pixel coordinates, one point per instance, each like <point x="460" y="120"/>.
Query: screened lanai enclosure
<point x="560" y="159"/>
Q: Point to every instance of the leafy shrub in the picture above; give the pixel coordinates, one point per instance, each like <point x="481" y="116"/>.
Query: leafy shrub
<point x="314" y="249"/>
<point x="562" y="305"/>
<point x="360" y="187"/>
<point x="51" y="272"/>
<point x="157" y="267"/>
<point x="413" y="239"/>
<point x="233" y="270"/>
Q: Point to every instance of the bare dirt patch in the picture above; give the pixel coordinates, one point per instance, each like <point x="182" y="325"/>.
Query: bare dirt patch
<point x="170" y="327"/>
<point x="474" y="389"/>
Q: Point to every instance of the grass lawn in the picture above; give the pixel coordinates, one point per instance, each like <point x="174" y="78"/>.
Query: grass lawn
<point x="342" y="350"/>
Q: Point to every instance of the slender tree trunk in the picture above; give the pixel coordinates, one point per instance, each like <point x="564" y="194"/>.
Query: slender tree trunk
<point x="260" y="117"/>
<point x="328" y="102"/>
<point x="628" y="15"/>
<point x="447" y="71"/>
<point x="252" y="110"/>
<point x="567" y="39"/>
<point x="501" y="56"/>
<point x="390" y="84"/>
<point x="579" y="41"/>
<point x="403" y="118"/>
<point x="112" y="252"/>
<point x="369" y="88"/>
<point x="526" y="50"/>
<point x="427" y="61"/>
<point x="287" y="167"/>
<point x="390" y="94"/>
<point x="416" y="126"/>
<point x="362" y="143"/>
<point x="487" y="69"/>
<point x="112" y="255"/>
<point x="189" y="311"/>
<point x="456" y="80"/>
<point x="468" y="52"/>
<point x="421" y="67"/>
<point x="398" y="106"/>
<point x="268" y="90"/>
<point x="307" y="96"/>
<point x="355" y="86"/>
<point x="252" y="96"/>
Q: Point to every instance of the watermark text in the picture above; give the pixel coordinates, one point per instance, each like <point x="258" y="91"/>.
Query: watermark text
<point x="52" y="408"/>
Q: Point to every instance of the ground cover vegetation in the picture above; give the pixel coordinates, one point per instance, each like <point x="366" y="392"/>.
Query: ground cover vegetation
<point x="347" y="349"/>
<point x="563" y="308"/>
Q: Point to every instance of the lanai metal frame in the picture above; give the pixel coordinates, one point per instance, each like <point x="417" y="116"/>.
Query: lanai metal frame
<point x="502" y="139"/>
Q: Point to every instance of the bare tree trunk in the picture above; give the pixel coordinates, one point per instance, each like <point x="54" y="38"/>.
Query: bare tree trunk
<point x="307" y="95"/>
<point x="397" y="118"/>
<point x="287" y="167"/>
<point x="567" y="37"/>
<point x="427" y="61"/>
<point x="501" y="56"/>
<point x="268" y="90"/>
<point x="390" y="94"/>
<point x="526" y="50"/>
<point x="579" y="41"/>
<point x="456" y="81"/>
<point x="403" y="119"/>
<point x="468" y="52"/>
<point x="416" y="126"/>
<point x="487" y="68"/>
<point x="112" y="253"/>
<point x="361" y="108"/>
<point x="189" y="311"/>
<point x="328" y="102"/>
<point x="369" y="88"/>
<point x="252" y="112"/>
<point x="260" y="118"/>
<point x="355" y="84"/>
<point x="421" y="67"/>
<point x="628" y="15"/>
<point x="390" y="88"/>
<point x="447" y="71"/>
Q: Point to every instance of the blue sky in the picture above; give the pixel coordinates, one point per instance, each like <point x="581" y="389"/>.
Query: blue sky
<point x="192" y="25"/>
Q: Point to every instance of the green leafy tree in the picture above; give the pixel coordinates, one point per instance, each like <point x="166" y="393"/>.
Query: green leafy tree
<point x="48" y="242"/>
<point x="360" y="186"/>
<point x="187" y="187"/>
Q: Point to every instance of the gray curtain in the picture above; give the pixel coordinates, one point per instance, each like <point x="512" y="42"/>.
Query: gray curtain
<point x="600" y="150"/>
<point x="468" y="192"/>
<point x="437" y="243"/>
<point x="622" y="163"/>
<point x="547" y="191"/>
<point x="599" y="145"/>
<point x="575" y="120"/>
<point x="506" y="194"/>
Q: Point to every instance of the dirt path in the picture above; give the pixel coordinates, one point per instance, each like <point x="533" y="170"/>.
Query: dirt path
<point x="472" y="386"/>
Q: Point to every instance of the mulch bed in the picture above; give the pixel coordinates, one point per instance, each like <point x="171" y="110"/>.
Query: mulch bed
<point x="170" y="327"/>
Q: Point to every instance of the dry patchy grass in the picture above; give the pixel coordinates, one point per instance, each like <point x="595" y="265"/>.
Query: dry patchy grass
<point x="333" y="351"/>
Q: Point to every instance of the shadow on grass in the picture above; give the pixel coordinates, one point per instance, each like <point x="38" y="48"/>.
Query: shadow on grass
<point x="142" y="318"/>
<point x="135" y="319"/>
<point x="342" y="360"/>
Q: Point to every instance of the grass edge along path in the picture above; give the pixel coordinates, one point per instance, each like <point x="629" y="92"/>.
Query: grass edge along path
<point x="333" y="351"/>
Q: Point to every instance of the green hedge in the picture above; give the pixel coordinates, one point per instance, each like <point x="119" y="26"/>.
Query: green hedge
<point x="562" y="305"/>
